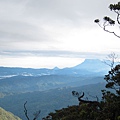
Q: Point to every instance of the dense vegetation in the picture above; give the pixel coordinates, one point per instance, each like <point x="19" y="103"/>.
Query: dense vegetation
<point x="107" y="109"/>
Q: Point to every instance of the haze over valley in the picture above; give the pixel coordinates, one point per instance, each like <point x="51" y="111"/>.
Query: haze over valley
<point x="49" y="89"/>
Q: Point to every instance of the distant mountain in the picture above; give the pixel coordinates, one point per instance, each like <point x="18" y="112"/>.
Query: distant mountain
<point x="48" y="89"/>
<point x="23" y="84"/>
<point x="88" y="67"/>
<point x="15" y="71"/>
<point x="21" y="80"/>
<point x="4" y="115"/>
<point x="93" y="65"/>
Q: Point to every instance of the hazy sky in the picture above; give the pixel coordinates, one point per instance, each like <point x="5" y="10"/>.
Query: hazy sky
<point x="49" y="33"/>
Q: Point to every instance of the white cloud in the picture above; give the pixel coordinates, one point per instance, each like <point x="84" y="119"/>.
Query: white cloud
<point x="40" y="62"/>
<point x="56" y="26"/>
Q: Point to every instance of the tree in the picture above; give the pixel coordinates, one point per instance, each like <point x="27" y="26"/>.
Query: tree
<point x="111" y="100"/>
<point x="76" y="94"/>
<point x="110" y="60"/>
<point x="113" y="79"/>
<point x="113" y="76"/>
<point x="109" y="21"/>
<point x="109" y="107"/>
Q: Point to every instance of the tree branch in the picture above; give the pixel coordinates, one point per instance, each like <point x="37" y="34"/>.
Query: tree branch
<point x="36" y="114"/>
<point x="86" y="101"/>
<point x="25" y="111"/>
<point x="111" y="58"/>
<point x="81" y="100"/>
<point x="104" y="28"/>
<point x="109" y="21"/>
<point x="117" y="16"/>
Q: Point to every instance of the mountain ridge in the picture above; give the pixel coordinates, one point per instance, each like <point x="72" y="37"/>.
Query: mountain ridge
<point x="88" y="67"/>
<point x="93" y="65"/>
<point x="27" y="80"/>
<point x="21" y="84"/>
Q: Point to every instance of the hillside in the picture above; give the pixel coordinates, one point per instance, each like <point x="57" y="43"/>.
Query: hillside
<point x="48" y="101"/>
<point x="22" y="80"/>
<point x="5" y="115"/>
<point x="49" y="89"/>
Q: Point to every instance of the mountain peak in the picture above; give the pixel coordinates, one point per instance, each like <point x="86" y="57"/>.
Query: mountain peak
<point x="92" y="65"/>
<point x="91" y="60"/>
<point x="56" y="68"/>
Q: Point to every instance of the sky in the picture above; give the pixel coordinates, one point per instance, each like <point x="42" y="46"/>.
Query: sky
<point x="50" y="33"/>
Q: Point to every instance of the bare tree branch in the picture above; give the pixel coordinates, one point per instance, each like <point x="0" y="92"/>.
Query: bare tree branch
<point x="93" y="96"/>
<point x="36" y="114"/>
<point x="25" y="111"/>
<point x="104" y="28"/>
<point x="81" y="100"/>
<point x="111" y="58"/>
<point x="118" y="17"/>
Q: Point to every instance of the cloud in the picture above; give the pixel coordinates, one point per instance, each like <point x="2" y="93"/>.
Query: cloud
<point x="69" y="9"/>
<point x="51" y="53"/>
<point x="44" y="59"/>
<point x="54" y="28"/>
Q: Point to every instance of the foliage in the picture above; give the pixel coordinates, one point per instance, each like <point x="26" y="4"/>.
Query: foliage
<point x="107" y="109"/>
<point x="75" y="112"/>
<point x="111" y="100"/>
<point x="113" y="79"/>
<point x="111" y="105"/>
<point x="108" y="21"/>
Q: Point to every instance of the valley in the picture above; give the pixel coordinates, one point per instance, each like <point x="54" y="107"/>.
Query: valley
<point x="49" y="89"/>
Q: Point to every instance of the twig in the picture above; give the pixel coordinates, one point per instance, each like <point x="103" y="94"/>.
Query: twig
<point x="25" y="111"/>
